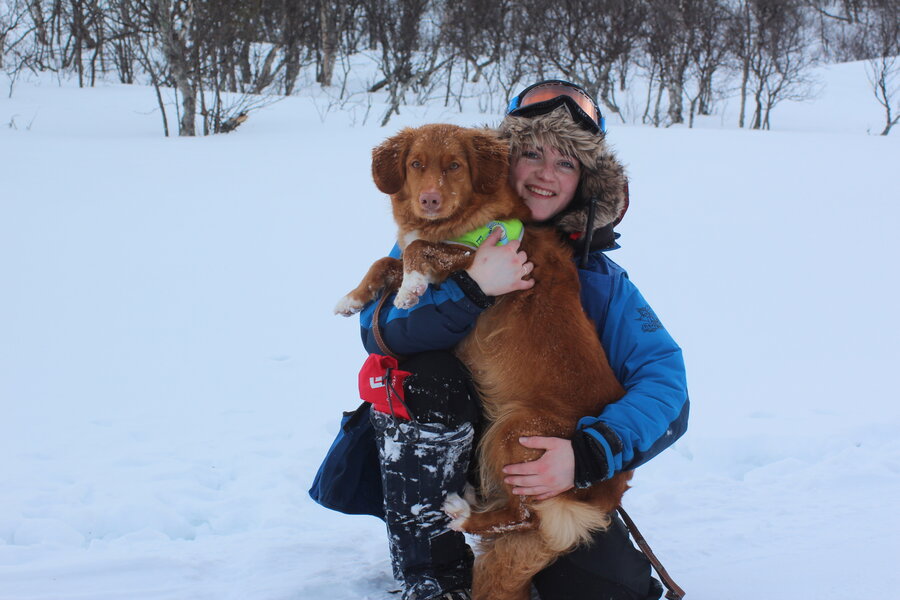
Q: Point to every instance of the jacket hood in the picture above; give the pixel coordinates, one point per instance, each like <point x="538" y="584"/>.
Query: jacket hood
<point x="602" y="175"/>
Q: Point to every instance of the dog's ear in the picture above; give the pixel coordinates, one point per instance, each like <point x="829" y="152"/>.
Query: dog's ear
<point x="389" y="162"/>
<point x="488" y="161"/>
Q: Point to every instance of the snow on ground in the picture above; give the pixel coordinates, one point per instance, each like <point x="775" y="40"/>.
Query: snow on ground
<point x="171" y="374"/>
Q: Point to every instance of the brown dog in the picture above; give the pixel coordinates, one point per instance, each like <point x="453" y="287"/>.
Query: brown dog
<point x="534" y="355"/>
<point x="444" y="181"/>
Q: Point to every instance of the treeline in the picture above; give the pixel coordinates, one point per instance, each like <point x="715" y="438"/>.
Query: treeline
<point x="226" y="57"/>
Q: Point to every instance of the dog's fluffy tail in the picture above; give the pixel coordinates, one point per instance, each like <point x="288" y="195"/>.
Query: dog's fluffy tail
<point x="565" y="524"/>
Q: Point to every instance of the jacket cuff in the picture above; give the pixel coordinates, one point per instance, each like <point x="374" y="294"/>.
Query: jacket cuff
<point x="590" y="460"/>
<point x="594" y="449"/>
<point x="472" y="290"/>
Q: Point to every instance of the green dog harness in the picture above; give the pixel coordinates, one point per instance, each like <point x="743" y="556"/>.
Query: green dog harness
<point x="512" y="230"/>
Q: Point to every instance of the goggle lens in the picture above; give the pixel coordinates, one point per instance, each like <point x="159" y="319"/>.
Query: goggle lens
<point x="542" y="93"/>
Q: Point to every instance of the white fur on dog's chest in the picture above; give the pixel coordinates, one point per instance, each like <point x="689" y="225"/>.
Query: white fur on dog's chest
<point x="407" y="238"/>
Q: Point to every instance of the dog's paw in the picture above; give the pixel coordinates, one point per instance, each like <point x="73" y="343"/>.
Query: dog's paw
<point x="414" y="285"/>
<point x="406" y="299"/>
<point x="458" y="510"/>
<point x="347" y="306"/>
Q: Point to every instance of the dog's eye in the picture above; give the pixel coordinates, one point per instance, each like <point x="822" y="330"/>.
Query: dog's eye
<point x="454" y="166"/>
<point x="416" y="164"/>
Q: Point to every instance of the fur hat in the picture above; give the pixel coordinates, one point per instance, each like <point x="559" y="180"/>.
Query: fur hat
<point x="602" y="176"/>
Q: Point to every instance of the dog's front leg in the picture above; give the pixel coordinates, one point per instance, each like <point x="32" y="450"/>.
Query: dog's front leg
<point x="383" y="275"/>
<point x="428" y="262"/>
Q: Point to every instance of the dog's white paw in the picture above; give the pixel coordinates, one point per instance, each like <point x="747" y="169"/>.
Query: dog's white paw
<point x="406" y="299"/>
<point x="414" y="285"/>
<point x="458" y="510"/>
<point x="347" y="306"/>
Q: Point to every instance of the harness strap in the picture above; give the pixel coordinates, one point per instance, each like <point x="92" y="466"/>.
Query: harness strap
<point x="673" y="591"/>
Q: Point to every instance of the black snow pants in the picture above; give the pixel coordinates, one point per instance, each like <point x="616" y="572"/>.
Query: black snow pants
<point x="441" y="391"/>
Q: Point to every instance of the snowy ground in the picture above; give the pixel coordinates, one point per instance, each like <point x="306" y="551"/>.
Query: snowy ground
<point x="171" y="374"/>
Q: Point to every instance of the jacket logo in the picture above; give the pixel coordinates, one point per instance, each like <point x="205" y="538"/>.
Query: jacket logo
<point x="376" y="382"/>
<point x="649" y="321"/>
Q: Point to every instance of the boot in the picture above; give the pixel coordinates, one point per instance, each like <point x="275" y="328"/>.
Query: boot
<point x="420" y="464"/>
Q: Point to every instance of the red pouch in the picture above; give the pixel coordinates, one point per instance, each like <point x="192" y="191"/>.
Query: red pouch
<point x="381" y="384"/>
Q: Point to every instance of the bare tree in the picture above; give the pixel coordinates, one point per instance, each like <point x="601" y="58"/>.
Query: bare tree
<point x="772" y="41"/>
<point x="409" y="47"/>
<point x="13" y="16"/>
<point x="848" y="11"/>
<point x="328" y="40"/>
<point x="884" y="76"/>
<point x="173" y="22"/>
<point x="588" y="42"/>
<point x="684" y="44"/>
<point x="883" y="68"/>
<point x="866" y="30"/>
<point x="218" y="56"/>
<point x="742" y="35"/>
<point x="121" y="39"/>
<point x="487" y="43"/>
<point x="476" y="31"/>
<point x="674" y="38"/>
<point x="709" y="53"/>
<point x="653" y="47"/>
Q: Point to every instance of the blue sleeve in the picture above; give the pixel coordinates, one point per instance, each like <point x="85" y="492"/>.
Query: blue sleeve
<point x="441" y="319"/>
<point x="653" y="413"/>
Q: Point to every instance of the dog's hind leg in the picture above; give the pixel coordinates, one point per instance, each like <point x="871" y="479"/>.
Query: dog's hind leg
<point x="384" y="274"/>
<point x="501" y="510"/>
<point x="516" y="515"/>
<point x="506" y="565"/>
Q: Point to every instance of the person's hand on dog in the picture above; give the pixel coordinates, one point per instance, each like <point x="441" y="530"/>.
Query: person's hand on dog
<point x="552" y="474"/>
<point x="499" y="269"/>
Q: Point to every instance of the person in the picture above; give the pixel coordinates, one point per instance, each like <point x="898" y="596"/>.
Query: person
<point x="563" y="170"/>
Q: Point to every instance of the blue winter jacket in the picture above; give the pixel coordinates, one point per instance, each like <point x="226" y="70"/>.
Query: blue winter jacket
<point x="646" y="360"/>
<point x="644" y="357"/>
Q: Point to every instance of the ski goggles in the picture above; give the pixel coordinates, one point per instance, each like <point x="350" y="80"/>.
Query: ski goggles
<point x="545" y="96"/>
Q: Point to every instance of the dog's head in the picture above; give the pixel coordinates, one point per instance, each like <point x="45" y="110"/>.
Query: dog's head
<point x="438" y="172"/>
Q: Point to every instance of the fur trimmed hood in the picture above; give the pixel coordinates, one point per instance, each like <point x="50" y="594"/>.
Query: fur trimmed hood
<point x="602" y="175"/>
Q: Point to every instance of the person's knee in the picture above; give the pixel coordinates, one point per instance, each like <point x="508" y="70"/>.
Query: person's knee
<point x="440" y="389"/>
<point x="609" y="567"/>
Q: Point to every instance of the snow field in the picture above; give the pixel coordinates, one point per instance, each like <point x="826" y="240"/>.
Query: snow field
<point x="171" y="373"/>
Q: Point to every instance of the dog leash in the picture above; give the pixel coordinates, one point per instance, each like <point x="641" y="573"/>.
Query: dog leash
<point x="376" y="325"/>
<point x="674" y="592"/>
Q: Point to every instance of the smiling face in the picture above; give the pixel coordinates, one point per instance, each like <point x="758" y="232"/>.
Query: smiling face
<point x="545" y="179"/>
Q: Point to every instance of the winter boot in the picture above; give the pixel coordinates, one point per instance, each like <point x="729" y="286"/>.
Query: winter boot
<point x="420" y="464"/>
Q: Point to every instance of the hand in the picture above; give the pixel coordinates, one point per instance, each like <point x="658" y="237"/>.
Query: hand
<point x="499" y="269"/>
<point x="550" y="475"/>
